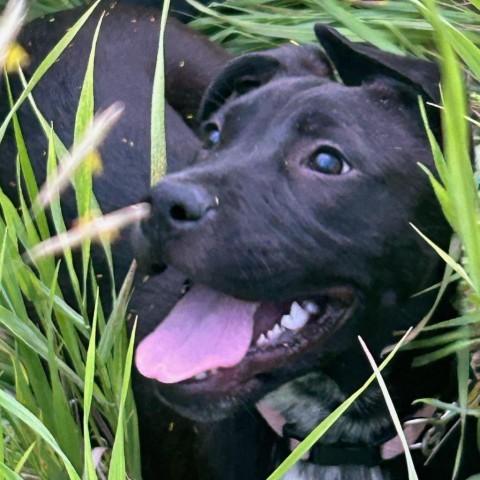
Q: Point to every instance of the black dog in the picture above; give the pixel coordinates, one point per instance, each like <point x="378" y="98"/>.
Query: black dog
<point x="302" y="193"/>
<point x="292" y="235"/>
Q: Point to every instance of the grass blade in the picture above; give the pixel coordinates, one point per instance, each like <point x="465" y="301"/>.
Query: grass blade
<point x="84" y="176"/>
<point x="447" y="259"/>
<point x="19" y="411"/>
<point x="117" y="463"/>
<point x="412" y="474"/>
<point x="88" y="467"/>
<point x="157" y="135"/>
<point x="9" y="474"/>
<point x="321" y="429"/>
<point x="116" y="320"/>
<point x="102" y="226"/>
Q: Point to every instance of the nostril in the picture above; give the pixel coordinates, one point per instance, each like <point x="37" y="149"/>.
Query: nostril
<point x="180" y="213"/>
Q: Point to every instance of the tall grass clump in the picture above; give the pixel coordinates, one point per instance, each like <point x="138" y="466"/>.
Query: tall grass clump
<point x="66" y="403"/>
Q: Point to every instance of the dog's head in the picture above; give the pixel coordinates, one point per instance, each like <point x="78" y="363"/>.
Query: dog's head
<point x="293" y="227"/>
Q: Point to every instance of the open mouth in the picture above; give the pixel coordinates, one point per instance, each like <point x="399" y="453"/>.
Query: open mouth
<point x="212" y="343"/>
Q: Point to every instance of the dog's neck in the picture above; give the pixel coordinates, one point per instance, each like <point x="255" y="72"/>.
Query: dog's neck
<point x="305" y="402"/>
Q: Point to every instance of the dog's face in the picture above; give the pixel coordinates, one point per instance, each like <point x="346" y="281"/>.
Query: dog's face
<point x="293" y="227"/>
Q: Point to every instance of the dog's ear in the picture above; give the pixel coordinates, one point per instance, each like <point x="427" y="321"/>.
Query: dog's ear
<point x="357" y="63"/>
<point x="253" y="70"/>
<point x="238" y="77"/>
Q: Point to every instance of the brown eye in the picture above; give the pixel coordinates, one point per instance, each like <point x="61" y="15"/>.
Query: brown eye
<point x="328" y="163"/>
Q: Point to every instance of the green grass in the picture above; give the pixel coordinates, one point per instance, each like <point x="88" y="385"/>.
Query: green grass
<point x="394" y="25"/>
<point x="58" y="410"/>
<point x="62" y="399"/>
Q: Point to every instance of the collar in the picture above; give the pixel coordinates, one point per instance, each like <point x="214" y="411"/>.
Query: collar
<point x="370" y="455"/>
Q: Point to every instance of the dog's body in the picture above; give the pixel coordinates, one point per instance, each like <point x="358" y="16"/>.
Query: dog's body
<point x="302" y="192"/>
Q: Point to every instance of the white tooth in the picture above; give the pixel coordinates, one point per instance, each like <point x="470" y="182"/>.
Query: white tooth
<point x="277" y="329"/>
<point x="288" y="322"/>
<point x="262" y="340"/>
<point x="297" y="319"/>
<point x="274" y="333"/>
<point x="201" y="376"/>
<point x="298" y="313"/>
<point x="310" y="307"/>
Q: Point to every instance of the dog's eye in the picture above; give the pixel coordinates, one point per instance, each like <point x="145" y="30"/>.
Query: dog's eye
<point x="211" y="135"/>
<point x="328" y="162"/>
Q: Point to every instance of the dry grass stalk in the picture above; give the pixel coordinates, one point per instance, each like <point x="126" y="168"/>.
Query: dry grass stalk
<point x="95" y="134"/>
<point x="106" y="226"/>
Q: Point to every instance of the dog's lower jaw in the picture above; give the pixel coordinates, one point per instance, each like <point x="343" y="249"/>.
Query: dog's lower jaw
<point x="207" y="414"/>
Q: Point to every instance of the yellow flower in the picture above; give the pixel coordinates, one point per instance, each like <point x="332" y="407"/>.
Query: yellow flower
<point x="16" y="56"/>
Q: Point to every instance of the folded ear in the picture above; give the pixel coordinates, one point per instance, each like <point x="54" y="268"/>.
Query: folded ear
<point x="357" y="63"/>
<point x="239" y="76"/>
<point x="253" y="70"/>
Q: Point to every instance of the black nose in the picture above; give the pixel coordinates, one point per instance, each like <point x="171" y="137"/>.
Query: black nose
<point x="178" y="205"/>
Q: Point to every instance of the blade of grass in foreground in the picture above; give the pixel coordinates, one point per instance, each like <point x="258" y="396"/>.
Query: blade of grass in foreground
<point x="16" y="409"/>
<point x="460" y="185"/>
<point x="447" y="259"/>
<point x="88" y="468"/>
<point x="116" y="319"/>
<point x="61" y="150"/>
<point x="66" y="430"/>
<point x="8" y="474"/>
<point x="157" y="134"/>
<point x="25" y="456"/>
<point x="412" y="474"/>
<point x="463" y="371"/>
<point x="321" y="429"/>
<point x="117" y="463"/>
<point x="84" y="176"/>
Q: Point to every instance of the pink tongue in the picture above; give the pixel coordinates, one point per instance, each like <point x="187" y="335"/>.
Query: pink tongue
<point x="206" y="329"/>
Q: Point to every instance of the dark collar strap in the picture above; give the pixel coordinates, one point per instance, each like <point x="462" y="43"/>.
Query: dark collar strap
<point x="345" y="455"/>
<point x="387" y="448"/>
<point x="341" y="453"/>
